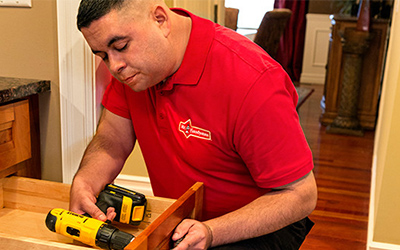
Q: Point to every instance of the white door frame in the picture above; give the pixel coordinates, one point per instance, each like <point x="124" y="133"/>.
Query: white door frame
<point x="77" y="91"/>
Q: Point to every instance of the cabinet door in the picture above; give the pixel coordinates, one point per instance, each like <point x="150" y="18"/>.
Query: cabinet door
<point x="213" y="10"/>
<point x="15" y="139"/>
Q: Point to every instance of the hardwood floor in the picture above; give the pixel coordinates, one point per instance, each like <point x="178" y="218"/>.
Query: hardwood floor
<point x="343" y="171"/>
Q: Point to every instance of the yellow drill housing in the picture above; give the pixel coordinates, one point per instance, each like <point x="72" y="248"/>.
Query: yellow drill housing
<point x="87" y="230"/>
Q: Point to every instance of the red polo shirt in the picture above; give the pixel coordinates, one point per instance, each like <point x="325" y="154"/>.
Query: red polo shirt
<point x="227" y="118"/>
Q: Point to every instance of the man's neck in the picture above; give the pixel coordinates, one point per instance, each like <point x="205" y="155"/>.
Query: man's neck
<point x="181" y="35"/>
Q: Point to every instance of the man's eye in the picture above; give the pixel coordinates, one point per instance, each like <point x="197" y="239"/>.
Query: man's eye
<point x="104" y="57"/>
<point x="121" y="48"/>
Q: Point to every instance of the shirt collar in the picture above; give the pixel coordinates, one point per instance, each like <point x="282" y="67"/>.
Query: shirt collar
<point x="194" y="60"/>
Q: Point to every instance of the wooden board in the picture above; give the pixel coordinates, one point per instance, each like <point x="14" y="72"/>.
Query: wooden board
<point x="26" y="203"/>
<point x="16" y="242"/>
<point x="157" y="235"/>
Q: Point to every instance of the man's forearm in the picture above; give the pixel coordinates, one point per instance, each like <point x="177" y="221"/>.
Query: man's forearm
<point x="107" y="152"/>
<point x="266" y="214"/>
<point x="101" y="163"/>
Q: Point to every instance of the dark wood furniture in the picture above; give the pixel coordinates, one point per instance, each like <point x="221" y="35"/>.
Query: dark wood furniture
<point x="231" y="18"/>
<point x="372" y="70"/>
<point x="271" y="30"/>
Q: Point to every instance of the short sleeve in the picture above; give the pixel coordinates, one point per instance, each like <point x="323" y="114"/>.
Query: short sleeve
<point x="268" y="134"/>
<point x="114" y="99"/>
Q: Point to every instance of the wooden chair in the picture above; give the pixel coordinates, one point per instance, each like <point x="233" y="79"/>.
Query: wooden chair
<point x="231" y="18"/>
<point x="271" y="29"/>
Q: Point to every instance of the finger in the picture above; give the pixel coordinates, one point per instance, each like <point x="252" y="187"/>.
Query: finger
<point x="182" y="229"/>
<point x="185" y="243"/>
<point x="111" y="213"/>
<point x="79" y="204"/>
<point x="76" y="209"/>
<point x="96" y="213"/>
<point x="198" y="237"/>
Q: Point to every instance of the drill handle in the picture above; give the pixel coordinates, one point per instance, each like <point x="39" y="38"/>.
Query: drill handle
<point x="102" y="205"/>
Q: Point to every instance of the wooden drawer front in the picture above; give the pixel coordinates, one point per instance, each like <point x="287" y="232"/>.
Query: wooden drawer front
<point x="15" y="139"/>
<point x="25" y="202"/>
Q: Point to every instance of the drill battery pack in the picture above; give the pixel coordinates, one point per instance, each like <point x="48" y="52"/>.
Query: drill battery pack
<point x="130" y="206"/>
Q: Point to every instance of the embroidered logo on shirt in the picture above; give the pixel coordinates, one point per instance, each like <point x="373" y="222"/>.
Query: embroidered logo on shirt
<point x="188" y="130"/>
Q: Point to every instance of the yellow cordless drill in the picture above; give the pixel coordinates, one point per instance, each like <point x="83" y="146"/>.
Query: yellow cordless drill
<point x="87" y="230"/>
<point x="130" y="207"/>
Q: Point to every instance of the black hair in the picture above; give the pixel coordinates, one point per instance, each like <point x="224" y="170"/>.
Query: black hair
<point x="91" y="10"/>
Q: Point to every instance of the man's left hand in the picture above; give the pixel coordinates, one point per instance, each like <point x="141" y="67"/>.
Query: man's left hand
<point x="197" y="235"/>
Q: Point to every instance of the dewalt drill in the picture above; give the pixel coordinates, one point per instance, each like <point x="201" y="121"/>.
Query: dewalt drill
<point x="129" y="207"/>
<point x="87" y="230"/>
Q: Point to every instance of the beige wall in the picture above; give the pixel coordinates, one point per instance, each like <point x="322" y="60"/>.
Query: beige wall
<point x="135" y="164"/>
<point x="170" y="3"/>
<point x="386" y="186"/>
<point x="28" y="49"/>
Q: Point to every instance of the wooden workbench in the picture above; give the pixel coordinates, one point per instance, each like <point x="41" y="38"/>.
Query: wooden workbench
<point x="25" y="203"/>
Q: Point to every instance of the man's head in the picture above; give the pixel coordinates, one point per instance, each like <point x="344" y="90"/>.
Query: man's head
<point x="140" y="41"/>
<point x="91" y="10"/>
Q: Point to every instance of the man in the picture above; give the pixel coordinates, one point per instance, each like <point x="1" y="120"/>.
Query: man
<point x="205" y="104"/>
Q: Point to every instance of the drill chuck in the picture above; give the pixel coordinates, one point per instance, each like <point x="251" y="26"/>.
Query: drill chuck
<point x="87" y="230"/>
<point x="108" y="237"/>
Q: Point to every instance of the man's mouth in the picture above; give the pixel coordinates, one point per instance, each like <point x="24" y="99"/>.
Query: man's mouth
<point x="129" y="79"/>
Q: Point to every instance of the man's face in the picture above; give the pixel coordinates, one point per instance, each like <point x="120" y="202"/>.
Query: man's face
<point x="136" y="51"/>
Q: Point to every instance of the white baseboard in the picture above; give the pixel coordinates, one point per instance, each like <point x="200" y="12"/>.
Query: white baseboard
<point x="382" y="246"/>
<point x="140" y="184"/>
<point x="312" y="78"/>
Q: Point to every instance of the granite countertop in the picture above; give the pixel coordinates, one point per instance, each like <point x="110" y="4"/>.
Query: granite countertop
<point x="15" y="88"/>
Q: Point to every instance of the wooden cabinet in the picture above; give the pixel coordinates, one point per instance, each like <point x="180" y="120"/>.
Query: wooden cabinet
<point x="20" y="138"/>
<point x="372" y="70"/>
<point x="15" y="137"/>
<point x="19" y="126"/>
<point x="25" y="203"/>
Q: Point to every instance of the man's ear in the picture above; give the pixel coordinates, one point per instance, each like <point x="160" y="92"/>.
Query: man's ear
<point x="161" y="16"/>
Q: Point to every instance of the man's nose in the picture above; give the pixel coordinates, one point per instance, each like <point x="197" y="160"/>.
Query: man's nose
<point x="116" y="64"/>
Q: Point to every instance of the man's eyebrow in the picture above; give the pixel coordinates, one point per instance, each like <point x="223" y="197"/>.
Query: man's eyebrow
<point x="112" y="40"/>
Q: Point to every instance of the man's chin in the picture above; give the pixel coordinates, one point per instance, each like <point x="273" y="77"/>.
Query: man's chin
<point x="138" y="87"/>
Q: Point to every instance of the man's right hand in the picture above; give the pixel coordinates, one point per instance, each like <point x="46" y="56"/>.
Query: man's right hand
<point x="83" y="200"/>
